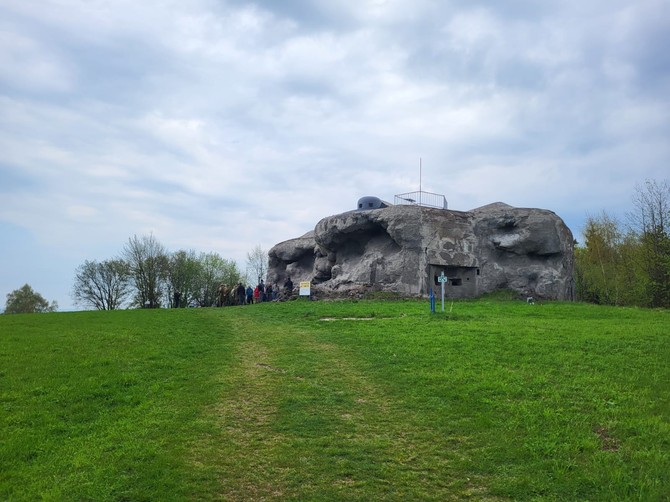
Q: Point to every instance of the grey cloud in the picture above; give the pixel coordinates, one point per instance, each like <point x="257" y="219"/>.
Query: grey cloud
<point x="309" y="16"/>
<point x="12" y="180"/>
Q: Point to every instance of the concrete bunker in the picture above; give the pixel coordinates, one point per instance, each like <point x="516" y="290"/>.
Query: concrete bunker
<point x="403" y="248"/>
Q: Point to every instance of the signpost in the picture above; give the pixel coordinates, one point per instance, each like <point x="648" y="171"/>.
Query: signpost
<point x="442" y="279"/>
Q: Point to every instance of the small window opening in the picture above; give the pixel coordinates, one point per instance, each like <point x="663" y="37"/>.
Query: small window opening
<point x="456" y="282"/>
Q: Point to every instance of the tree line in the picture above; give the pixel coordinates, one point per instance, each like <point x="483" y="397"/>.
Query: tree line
<point x="147" y="275"/>
<point x="628" y="263"/>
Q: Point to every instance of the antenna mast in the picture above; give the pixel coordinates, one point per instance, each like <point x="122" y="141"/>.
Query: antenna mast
<point x="420" y="168"/>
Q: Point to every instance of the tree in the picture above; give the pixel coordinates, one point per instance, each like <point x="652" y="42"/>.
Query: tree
<point x="632" y="267"/>
<point x="651" y="221"/>
<point x="598" y="263"/>
<point x="103" y="286"/>
<point x="148" y="261"/>
<point x="183" y="274"/>
<point x="25" y="301"/>
<point x="257" y="262"/>
<point x="214" y="271"/>
<point x="607" y="269"/>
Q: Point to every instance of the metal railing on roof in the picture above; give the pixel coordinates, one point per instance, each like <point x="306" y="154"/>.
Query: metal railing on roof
<point x="421" y="198"/>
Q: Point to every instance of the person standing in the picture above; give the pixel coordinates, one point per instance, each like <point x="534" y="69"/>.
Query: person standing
<point x="240" y="294"/>
<point x="288" y="287"/>
<point x="250" y="295"/>
<point x="257" y="295"/>
<point x="261" y="290"/>
<point x="221" y="295"/>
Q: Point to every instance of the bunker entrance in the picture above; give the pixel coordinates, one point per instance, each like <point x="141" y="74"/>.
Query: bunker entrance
<point x="462" y="281"/>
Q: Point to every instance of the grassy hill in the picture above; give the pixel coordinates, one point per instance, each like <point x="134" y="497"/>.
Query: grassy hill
<point x="360" y="400"/>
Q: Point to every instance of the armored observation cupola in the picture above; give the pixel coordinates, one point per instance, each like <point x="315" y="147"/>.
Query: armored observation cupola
<point x="370" y="202"/>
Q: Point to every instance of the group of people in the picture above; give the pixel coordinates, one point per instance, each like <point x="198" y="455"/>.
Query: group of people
<point x="241" y="295"/>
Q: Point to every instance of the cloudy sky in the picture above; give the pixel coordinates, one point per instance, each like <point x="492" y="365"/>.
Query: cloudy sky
<point x="219" y="125"/>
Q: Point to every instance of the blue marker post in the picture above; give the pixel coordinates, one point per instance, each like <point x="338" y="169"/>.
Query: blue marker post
<point x="432" y="301"/>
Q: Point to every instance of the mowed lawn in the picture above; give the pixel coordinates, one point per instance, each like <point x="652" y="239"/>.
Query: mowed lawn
<point x="368" y="400"/>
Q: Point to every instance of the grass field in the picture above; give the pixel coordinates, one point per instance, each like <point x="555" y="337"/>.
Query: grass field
<point x="495" y="400"/>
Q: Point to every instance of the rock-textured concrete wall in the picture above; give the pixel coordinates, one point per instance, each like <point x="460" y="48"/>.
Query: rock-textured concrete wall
<point x="403" y="249"/>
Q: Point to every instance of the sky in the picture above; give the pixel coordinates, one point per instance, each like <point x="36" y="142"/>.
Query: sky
<point x="221" y="125"/>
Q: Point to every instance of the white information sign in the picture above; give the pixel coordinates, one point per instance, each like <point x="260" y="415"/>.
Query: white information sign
<point x="305" y="288"/>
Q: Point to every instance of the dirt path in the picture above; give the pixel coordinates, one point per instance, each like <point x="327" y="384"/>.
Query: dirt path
<point x="298" y="416"/>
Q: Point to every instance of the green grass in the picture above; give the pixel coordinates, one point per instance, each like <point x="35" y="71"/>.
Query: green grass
<point x="494" y="400"/>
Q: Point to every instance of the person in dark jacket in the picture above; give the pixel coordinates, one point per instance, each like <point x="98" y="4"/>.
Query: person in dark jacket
<point x="261" y="290"/>
<point x="241" y="292"/>
<point x="288" y="286"/>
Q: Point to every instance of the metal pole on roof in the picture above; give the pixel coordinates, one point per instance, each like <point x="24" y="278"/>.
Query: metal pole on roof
<point x="420" y="168"/>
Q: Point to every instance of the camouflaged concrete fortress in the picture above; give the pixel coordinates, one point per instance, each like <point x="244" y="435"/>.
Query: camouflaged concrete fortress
<point x="404" y="248"/>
